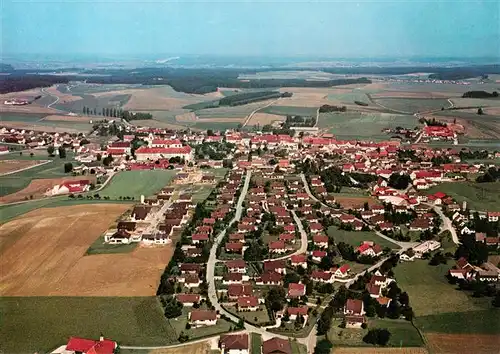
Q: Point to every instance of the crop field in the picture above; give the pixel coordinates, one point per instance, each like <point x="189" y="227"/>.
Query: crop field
<point x="19" y="117"/>
<point x="348" y="125"/>
<point x="367" y="350"/>
<point x="215" y="125"/>
<point x="349" y="97"/>
<point x="485" y="126"/>
<point x="37" y="188"/>
<point x="230" y="112"/>
<point x="406" y="94"/>
<point x="197" y="348"/>
<point x="479" y="196"/>
<point x="41" y="324"/>
<point x="265" y="118"/>
<point x="429" y="290"/>
<point x="413" y="105"/>
<point x="290" y="110"/>
<point x="59" y="264"/>
<point x="463" y="343"/>
<point x="9" y="166"/>
<point x="476" y="102"/>
<point x="355" y="238"/>
<point x="137" y="183"/>
<point x="403" y="334"/>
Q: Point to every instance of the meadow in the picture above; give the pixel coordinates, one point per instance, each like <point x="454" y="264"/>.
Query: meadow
<point x="439" y="306"/>
<point x="352" y="125"/>
<point x="41" y="324"/>
<point x="355" y="238"/>
<point x="479" y="196"/>
<point x="413" y="105"/>
<point x="137" y="183"/>
<point x="350" y="97"/>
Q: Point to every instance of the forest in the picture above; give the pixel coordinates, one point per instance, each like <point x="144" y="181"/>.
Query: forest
<point x="27" y="82"/>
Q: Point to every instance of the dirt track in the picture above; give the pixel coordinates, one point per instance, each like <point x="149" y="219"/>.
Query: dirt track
<point x="361" y="350"/>
<point x="43" y="254"/>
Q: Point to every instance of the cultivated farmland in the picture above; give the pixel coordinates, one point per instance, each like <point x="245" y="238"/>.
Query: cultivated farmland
<point x="9" y="166"/>
<point x="359" y="350"/>
<point x="463" y="343"/>
<point x="59" y="266"/>
<point x="413" y="105"/>
<point x="290" y="110"/>
<point x="137" y="183"/>
<point x="353" y="125"/>
<point x="41" y="324"/>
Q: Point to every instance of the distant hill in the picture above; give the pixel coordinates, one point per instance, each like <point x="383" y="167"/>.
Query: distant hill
<point x="6" y="68"/>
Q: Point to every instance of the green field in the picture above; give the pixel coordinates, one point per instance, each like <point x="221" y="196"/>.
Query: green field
<point x="413" y="105"/>
<point x="350" y="97"/>
<point x="20" y="117"/>
<point x="355" y="238"/>
<point x="31" y="324"/>
<point x="348" y="125"/>
<point x="403" y="334"/>
<point x="137" y="183"/>
<point x="479" y="196"/>
<point x="438" y="305"/>
<point x="230" y="112"/>
<point x="255" y="343"/>
<point x="92" y="102"/>
<point x="215" y="125"/>
<point x="290" y="110"/>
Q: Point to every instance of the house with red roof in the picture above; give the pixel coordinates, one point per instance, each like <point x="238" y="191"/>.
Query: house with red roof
<point x="294" y="312"/>
<point x="72" y="186"/>
<point x="270" y="278"/>
<point x="236" y="266"/>
<point x="277" y="247"/>
<point x="296" y="290"/>
<point x="276" y="346"/>
<point x="320" y="241"/>
<point x="493" y="216"/>
<point x="317" y="256"/>
<point x="234" y="247"/>
<point x="278" y="266"/>
<point x="322" y="276"/>
<point x="248" y="303"/>
<point x="188" y="299"/>
<point x="199" y="318"/>
<point x="234" y="343"/>
<point x="299" y="260"/>
<point x="369" y="249"/>
<point x="90" y="346"/>
<point x="343" y="271"/>
<point x="354" y="307"/>
<point x="154" y="153"/>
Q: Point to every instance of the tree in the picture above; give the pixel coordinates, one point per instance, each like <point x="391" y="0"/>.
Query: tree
<point x="50" y="150"/>
<point x="480" y="111"/>
<point x="276" y="298"/>
<point x="324" y="346"/>
<point x="377" y="336"/>
<point x="173" y="308"/>
<point x="62" y="152"/>
<point x="98" y="157"/>
<point x="68" y="167"/>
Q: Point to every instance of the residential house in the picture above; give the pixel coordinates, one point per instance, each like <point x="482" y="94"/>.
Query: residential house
<point x="296" y="290"/>
<point x="90" y="346"/>
<point x="248" y="303"/>
<point x="198" y="318"/>
<point x="276" y="346"/>
<point x="354" y="307"/>
<point x="188" y="299"/>
<point x="234" y="343"/>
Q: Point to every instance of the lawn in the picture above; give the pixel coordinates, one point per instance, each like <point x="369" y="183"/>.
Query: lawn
<point x="290" y="110"/>
<point x="350" y="97"/>
<point x="99" y="247"/>
<point x="355" y="238"/>
<point x="479" y="196"/>
<point x="439" y="306"/>
<point x="347" y="125"/>
<point x="179" y="325"/>
<point x="298" y="348"/>
<point x="216" y="125"/>
<point x="413" y="105"/>
<point x="41" y="324"/>
<point x="255" y="343"/>
<point x="254" y="317"/>
<point x="403" y="334"/>
<point x="137" y="183"/>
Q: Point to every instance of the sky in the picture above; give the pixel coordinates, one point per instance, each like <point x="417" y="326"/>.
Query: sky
<point x="337" y="29"/>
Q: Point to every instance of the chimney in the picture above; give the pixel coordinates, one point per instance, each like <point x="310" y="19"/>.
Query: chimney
<point x="101" y="338"/>
<point x="142" y="199"/>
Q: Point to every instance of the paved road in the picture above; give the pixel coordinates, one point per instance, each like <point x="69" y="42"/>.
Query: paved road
<point x="303" y="239"/>
<point x="308" y="191"/>
<point x="447" y="224"/>
<point x="48" y="93"/>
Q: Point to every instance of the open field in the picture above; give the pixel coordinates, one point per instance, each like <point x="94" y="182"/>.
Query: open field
<point x="41" y="324"/>
<point x="429" y="291"/>
<point x="7" y="166"/>
<point x="265" y="118"/>
<point x="347" y="125"/>
<point x="37" y="188"/>
<point x="216" y="125"/>
<point x="290" y="110"/>
<point x="403" y="334"/>
<point x="479" y="196"/>
<point x="355" y="238"/>
<point x="49" y="126"/>
<point x="406" y="94"/>
<point x="137" y="183"/>
<point x="59" y="266"/>
<point x="485" y="126"/>
<point x="66" y="118"/>
<point x="358" y="350"/>
<point x="413" y="105"/>
<point x="463" y="343"/>
<point x="231" y="111"/>
<point x="198" y="348"/>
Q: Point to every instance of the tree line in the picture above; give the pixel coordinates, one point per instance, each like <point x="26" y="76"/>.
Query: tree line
<point x="117" y="113"/>
<point x="249" y="97"/>
<point x="10" y="83"/>
<point x="480" y="94"/>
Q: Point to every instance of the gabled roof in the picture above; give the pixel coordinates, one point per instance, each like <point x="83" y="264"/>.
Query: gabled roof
<point x="276" y="346"/>
<point x="83" y="345"/>
<point x="234" y="341"/>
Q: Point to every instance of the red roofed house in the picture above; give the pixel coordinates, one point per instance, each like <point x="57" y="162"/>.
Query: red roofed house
<point x="234" y="247"/>
<point x="188" y="299"/>
<point x="493" y="216"/>
<point x="343" y="271"/>
<point x="278" y="266"/>
<point x="315" y="227"/>
<point x="320" y="241"/>
<point x="200" y="318"/>
<point x="294" y="312"/>
<point x="299" y="260"/>
<point x="354" y="307"/>
<point x="368" y="249"/>
<point x="66" y="187"/>
<point x="318" y="255"/>
<point x="296" y="290"/>
<point x="236" y="266"/>
<point x="322" y="276"/>
<point x="276" y="346"/>
<point x="277" y="247"/>
<point x="89" y="346"/>
<point x="270" y="278"/>
<point x="151" y="153"/>
<point x="248" y="303"/>
<point x="234" y="343"/>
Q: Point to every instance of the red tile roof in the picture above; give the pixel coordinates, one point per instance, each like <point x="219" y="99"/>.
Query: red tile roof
<point x="83" y="345"/>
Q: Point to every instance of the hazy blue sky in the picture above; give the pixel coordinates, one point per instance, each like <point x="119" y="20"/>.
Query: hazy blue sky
<point x="260" y="28"/>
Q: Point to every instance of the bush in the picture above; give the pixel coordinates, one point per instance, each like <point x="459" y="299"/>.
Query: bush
<point x="377" y="336"/>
